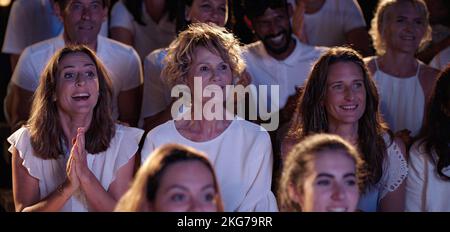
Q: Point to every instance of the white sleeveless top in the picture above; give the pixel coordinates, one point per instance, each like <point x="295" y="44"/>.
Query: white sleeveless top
<point x="402" y="100"/>
<point x="52" y="172"/>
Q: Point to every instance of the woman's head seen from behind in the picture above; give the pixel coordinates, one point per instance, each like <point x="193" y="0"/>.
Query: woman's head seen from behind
<point x="174" y="178"/>
<point x="323" y="173"/>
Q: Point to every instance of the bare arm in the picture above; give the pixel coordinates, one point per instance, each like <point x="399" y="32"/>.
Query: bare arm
<point x="395" y="201"/>
<point x="13" y="58"/>
<point x="98" y="198"/>
<point x="26" y="190"/>
<point x="129" y="103"/>
<point x="18" y="105"/>
<point x="358" y="39"/>
<point x="122" y="35"/>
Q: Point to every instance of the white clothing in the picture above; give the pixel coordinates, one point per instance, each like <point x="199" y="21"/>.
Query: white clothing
<point x="329" y="25"/>
<point x="287" y="73"/>
<point x="52" y="172"/>
<point x="33" y="21"/>
<point x="425" y="189"/>
<point x="147" y="37"/>
<point x="402" y="100"/>
<point x="121" y="61"/>
<point x="441" y="60"/>
<point x="241" y="156"/>
<point x="394" y="172"/>
<point x="156" y="94"/>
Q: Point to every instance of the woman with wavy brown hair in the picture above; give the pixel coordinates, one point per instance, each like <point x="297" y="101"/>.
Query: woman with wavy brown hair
<point x="341" y="98"/>
<point x="175" y="178"/>
<point x="71" y="156"/>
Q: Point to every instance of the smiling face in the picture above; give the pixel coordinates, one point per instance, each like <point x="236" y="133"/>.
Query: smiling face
<point x="331" y="184"/>
<point x="274" y="30"/>
<point x="77" y="86"/>
<point x="186" y="186"/>
<point x="345" y="98"/>
<point x="212" y="69"/>
<point x="405" y="29"/>
<point x="205" y="11"/>
<point x="82" y="20"/>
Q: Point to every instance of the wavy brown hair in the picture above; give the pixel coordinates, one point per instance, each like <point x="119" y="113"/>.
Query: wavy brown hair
<point x="383" y="16"/>
<point x="298" y="165"/>
<point x="148" y="177"/>
<point x="435" y="133"/>
<point x="215" y="39"/>
<point x="312" y="116"/>
<point x="47" y="136"/>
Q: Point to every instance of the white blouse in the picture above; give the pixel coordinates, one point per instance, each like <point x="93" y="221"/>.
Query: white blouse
<point x="52" y="172"/>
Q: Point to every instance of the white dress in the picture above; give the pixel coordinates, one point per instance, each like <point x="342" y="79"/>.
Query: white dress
<point x="51" y="173"/>
<point x="395" y="171"/>
<point x="425" y="189"/>
<point x="402" y="100"/>
<point x="147" y="37"/>
<point x="241" y="156"/>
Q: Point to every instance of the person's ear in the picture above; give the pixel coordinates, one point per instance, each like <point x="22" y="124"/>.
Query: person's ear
<point x="290" y="10"/>
<point x="58" y="11"/>
<point x="187" y="10"/>
<point x="105" y="13"/>
<point x="294" y="194"/>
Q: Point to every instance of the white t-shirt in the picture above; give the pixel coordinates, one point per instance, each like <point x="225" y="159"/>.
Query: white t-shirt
<point x="146" y="37"/>
<point x="52" y="172"/>
<point x="287" y="73"/>
<point x="328" y="26"/>
<point x="441" y="60"/>
<point x="156" y="94"/>
<point x="121" y="61"/>
<point x="32" y="21"/>
<point x="395" y="171"/>
<point x="425" y="189"/>
<point x="241" y="156"/>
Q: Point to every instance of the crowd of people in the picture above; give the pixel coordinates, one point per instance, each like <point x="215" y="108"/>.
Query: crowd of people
<point x="174" y="113"/>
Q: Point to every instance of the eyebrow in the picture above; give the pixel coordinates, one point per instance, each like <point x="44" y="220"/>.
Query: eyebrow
<point x="72" y="66"/>
<point x="351" y="174"/>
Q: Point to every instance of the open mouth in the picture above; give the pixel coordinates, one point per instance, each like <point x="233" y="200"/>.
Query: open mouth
<point x="408" y="37"/>
<point x="81" y="96"/>
<point x="277" y="39"/>
<point x="349" y="107"/>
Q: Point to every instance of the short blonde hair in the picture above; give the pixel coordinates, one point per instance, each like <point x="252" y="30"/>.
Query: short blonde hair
<point x="383" y="15"/>
<point x="214" y="38"/>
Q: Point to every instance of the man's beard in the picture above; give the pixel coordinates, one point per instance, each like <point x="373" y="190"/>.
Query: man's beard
<point x="278" y="50"/>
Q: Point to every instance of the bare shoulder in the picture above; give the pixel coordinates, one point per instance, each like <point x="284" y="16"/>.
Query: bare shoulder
<point x="427" y="78"/>
<point x="370" y="63"/>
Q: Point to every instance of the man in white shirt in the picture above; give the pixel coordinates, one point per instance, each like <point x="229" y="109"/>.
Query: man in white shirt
<point x="30" y="22"/>
<point x="82" y="21"/>
<point x="278" y="58"/>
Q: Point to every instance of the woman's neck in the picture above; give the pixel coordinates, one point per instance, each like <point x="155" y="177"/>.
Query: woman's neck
<point x="70" y="125"/>
<point x="203" y="130"/>
<point x="349" y="132"/>
<point x="398" y="64"/>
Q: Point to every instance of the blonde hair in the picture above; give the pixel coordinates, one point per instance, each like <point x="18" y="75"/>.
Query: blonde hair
<point x="298" y="161"/>
<point x="148" y="177"/>
<point x="383" y="15"/>
<point x="214" y="38"/>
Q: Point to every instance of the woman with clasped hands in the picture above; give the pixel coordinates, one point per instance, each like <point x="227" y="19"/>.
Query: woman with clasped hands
<point x="71" y="156"/>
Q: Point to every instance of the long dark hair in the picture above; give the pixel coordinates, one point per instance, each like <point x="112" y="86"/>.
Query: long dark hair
<point x="435" y="133"/>
<point x="312" y="116"/>
<point x="44" y="123"/>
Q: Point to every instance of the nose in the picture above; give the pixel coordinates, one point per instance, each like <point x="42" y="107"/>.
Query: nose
<point x="80" y="81"/>
<point x="349" y="95"/>
<point x="196" y="206"/>
<point x="216" y="17"/>
<point x="86" y="13"/>
<point x="338" y="192"/>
